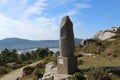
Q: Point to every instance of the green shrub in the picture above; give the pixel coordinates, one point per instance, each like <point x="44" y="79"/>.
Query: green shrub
<point x="97" y="74"/>
<point x="28" y="70"/>
<point x="77" y="76"/>
<point x="80" y="62"/>
<point x="37" y="73"/>
<point x="3" y="70"/>
<point x="15" y="66"/>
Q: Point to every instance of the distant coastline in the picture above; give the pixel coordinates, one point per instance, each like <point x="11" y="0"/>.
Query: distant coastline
<point x="54" y="49"/>
<point x="23" y="44"/>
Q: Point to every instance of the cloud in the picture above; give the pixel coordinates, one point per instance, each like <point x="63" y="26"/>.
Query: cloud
<point x="82" y="5"/>
<point x="26" y="18"/>
<point x="40" y="28"/>
<point x="70" y="13"/>
<point x="77" y="8"/>
<point x="55" y="3"/>
<point x="37" y="8"/>
<point x="3" y="2"/>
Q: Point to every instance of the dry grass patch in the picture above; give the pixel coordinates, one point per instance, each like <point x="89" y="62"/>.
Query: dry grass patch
<point x="98" y="61"/>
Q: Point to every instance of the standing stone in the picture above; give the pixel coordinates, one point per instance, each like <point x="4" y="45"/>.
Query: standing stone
<point x="67" y="62"/>
<point x="66" y="44"/>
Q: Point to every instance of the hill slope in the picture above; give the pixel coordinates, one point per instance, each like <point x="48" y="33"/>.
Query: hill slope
<point x="110" y="46"/>
<point x="22" y="44"/>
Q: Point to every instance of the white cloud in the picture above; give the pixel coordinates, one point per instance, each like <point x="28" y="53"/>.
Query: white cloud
<point x="3" y="2"/>
<point x="40" y="28"/>
<point x="19" y="23"/>
<point x="70" y="13"/>
<point x="37" y="8"/>
<point x="37" y="29"/>
<point x="76" y="9"/>
<point x="82" y="5"/>
<point x="56" y="3"/>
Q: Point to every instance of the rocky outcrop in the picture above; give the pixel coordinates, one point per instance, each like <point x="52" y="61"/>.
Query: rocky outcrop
<point x="48" y="71"/>
<point x="51" y="73"/>
<point x="107" y="34"/>
<point x="88" y="41"/>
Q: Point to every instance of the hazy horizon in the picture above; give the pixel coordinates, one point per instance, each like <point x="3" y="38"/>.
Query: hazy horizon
<point x="31" y="39"/>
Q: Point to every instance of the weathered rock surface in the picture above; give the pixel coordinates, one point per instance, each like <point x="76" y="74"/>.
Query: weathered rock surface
<point x="87" y="41"/>
<point x="107" y="34"/>
<point x="48" y="71"/>
<point x="67" y="65"/>
<point x="66" y="62"/>
<point x="51" y="73"/>
<point x="66" y="43"/>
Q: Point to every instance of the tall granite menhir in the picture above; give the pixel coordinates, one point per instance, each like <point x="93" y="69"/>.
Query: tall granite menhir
<point x="67" y="62"/>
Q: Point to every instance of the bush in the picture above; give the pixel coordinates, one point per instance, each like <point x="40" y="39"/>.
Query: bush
<point x="3" y="70"/>
<point x="97" y="74"/>
<point x="95" y="48"/>
<point x="77" y="76"/>
<point x="28" y="70"/>
<point x="15" y="66"/>
<point x="41" y="65"/>
<point x="80" y="62"/>
<point x="37" y="72"/>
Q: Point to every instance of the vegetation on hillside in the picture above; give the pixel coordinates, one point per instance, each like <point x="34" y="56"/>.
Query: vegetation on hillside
<point x="10" y="59"/>
<point x="109" y="47"/>
<point x="38" y="71"/>
<point x="97" y="67"/>
<point x="103" y="64"/>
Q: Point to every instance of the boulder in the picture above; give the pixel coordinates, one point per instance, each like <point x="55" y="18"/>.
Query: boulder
<point x="51" y="73"/>
<point x="48" y="71"/>
<point x="87" y="41"/>
<point x="107" y="34"/>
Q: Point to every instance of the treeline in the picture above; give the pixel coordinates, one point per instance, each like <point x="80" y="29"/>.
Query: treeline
<point x="12" y="56"/>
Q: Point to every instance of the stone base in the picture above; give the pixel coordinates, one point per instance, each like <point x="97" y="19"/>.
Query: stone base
<point x="53" y="73"/>
<point x="67" y="65"/>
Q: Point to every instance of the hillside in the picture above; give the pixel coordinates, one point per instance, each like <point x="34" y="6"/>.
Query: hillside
<point x="22" y="44"/>
<point x="108" y="47"/>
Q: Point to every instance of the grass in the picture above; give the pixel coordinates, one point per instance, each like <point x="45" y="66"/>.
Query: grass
<point x="105" y="48"/>
<point x="98" y="61"/>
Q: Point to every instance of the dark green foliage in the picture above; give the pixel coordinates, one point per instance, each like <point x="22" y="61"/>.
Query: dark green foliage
<point x="7" y="56"/>
<point x="41" y="53"/>
<point x="37" y="73"/>
<point x="39" y="69"/>
<point x="97" y="74"/>
<point x="80" y="62"/>
<point x="22" y="57"/>
<point x="11" y="60"/>
<point x="3" y="70"/>
<point x="15" y="66"/>
<point x="28" y="70"/>
<point x="94" y="74"/>
<point x="77" y="76"/>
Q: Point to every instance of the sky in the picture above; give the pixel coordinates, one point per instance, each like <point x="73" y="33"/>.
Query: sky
<point x="40" y="19"/>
